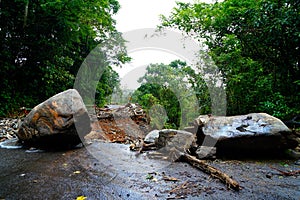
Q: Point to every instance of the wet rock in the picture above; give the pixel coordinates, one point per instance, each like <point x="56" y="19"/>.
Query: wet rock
<point x="151" y="136"/>
<point x="10" y="144"/>
<point x="58" y="122"/>
<point x="171" y="143"/>
<point x="254" y="133"/>
<point x="9" y="128"/>
<point x="170" y="137"/>
<point x="205" y="152"/>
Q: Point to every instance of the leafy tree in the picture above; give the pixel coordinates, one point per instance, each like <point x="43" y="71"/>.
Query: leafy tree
<point x="109" y="80"/>
<point x="176" y="88"/>
<point x="43" y="44"/>
<point x="255" y="44"/>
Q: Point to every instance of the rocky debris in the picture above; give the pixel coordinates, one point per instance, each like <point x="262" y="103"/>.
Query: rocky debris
<point x="58" y="122"/>
<point x="119" y="123"/>
<point x="185" y="141"/>
<point x="120" y="111"/>
<point x="254" y="133"/>
<point x="169" y="143"/>
<point x="171" y="138"/>
<point x="8" y="128"/>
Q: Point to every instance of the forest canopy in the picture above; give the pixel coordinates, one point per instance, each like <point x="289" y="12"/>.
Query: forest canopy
<point x="255" y="44"/>
<point x="43" y="44"/>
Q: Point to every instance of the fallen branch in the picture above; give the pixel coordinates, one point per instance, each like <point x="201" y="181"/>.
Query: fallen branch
<point x="182" y="186"/>
<point x="166" y="140"/>
<point x="284" y="173"/>
<point x="203" y="166"/>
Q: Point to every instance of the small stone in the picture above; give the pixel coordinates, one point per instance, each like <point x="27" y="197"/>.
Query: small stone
<point x="15" y="126"/>
<point x="268" y="175"/>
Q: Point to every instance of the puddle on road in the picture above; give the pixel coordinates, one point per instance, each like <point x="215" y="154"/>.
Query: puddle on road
<point x="11" y="144"/>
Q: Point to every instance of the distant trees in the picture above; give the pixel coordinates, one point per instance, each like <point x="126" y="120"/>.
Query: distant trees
<point x="43" y="44"/>
<point x="176" y="88"/>
<point x="255" y="44"/>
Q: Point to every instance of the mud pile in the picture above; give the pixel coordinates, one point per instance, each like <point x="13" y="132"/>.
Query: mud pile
<point x="120" y="124"/>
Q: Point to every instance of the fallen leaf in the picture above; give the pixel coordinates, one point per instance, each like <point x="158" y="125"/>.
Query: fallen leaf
<point x="149" y="176"/>
<point x="81" y="198"/>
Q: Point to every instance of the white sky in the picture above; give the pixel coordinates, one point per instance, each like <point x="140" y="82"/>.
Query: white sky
<point x="139" y="14"/>
<point x="136" y="14"/>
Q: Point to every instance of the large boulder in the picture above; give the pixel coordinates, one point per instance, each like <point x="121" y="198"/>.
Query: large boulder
<point x="253" y="133"/>
<point x="58" y="122"/>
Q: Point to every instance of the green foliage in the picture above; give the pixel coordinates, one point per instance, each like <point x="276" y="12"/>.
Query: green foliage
<point x="177" y="89"/>
<point x="43" y="44"/>
<point x="255" y="44"/>
<point x="149" y="95"/>
<point x="105" y="87"/>
<point x="277" y="106"/>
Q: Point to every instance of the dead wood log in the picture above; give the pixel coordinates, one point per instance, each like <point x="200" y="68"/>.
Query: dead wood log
<point x="214" y="172"/>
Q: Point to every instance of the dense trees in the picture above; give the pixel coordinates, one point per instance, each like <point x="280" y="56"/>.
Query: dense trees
<point x="43" y="43"/>
<point x="176" y="88"/>
<point x="255" y="44"/>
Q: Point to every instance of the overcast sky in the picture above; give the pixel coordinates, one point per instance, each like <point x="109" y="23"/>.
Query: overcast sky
<point x="139" y="14"/>
<point x="135" y="14"/>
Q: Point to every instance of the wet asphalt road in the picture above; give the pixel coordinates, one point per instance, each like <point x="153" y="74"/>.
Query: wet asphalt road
<point x="111" y="171"/>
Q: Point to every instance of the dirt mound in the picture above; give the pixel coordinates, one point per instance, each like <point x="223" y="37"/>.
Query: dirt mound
<point x="121" y="124"/>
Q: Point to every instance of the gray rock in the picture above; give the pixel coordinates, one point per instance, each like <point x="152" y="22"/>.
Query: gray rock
<point x="172" y="143"/>
<point x="204" y="152"/>
<point x="58" y="122"/>
<point x="8" y="128"/>
<point x="152" y="136"/>
<point x="255" y="132"/>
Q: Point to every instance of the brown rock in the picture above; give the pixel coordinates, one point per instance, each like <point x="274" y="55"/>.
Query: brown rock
<point x="58" y="122"/>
